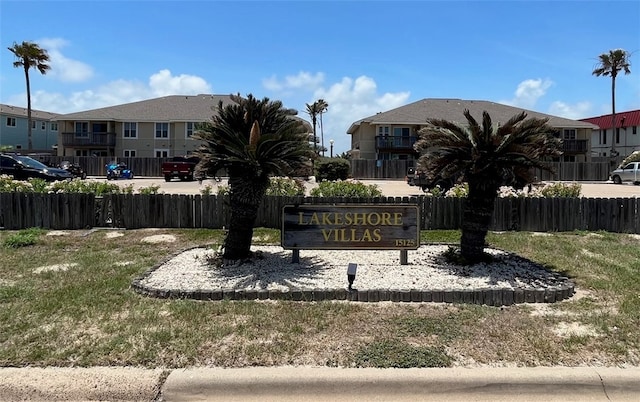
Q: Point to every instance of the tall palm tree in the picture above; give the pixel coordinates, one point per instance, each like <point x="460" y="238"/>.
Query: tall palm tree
<point x="252" y="140"/>
<point x="312" y="111"/>
<point x="28" y="55"/>
<point x="322" y="107"/>
<point x="485" y="157"/>
<point x="609" y="65"/>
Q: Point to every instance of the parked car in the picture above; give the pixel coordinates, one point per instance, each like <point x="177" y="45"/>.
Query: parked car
<point x="629" y="172"/>
<point x="23" y="168"/>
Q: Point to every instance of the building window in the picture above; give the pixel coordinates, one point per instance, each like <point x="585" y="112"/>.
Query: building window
<point x="383" y="130"/>
<point x="603" y="136"/>
<point x="618" y="135"/>
<point x="634" y="130"/>
<point x="161" y="153"/>
<point x="401" y="131"/>
<point x="82" y="152"/>
<point x="129" y="153"/>
<point x="569" y="158"/>
<point x="82" y="129"/>
<point x="43" y="125"/>
<point x="162" y="130"/>
<point x="33" y="124"/>
<point x="569" y="134"/>
<point x="129" y="130"/>
<point x="189" y="129"/>
<point x="54" y="126"/>
<point x="11" y="121"/>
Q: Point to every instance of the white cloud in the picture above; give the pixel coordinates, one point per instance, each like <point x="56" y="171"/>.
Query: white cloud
<point x="117" y="92"/>
<point x="163" y="83"/>
<point x="303" y="80"/>
<point x="62" y="67"/>
<point x="351" y="100"/>
<point x="528" y="93"/>
<point x="577" y="111"/>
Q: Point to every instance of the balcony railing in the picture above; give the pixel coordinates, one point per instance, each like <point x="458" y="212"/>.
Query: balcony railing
<point x="575" y="146"/>
<point x="92" y="139"/>
<point x="395" y="142"/>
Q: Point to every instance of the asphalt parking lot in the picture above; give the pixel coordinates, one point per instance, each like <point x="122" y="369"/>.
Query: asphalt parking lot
<point x="389" y="188"/>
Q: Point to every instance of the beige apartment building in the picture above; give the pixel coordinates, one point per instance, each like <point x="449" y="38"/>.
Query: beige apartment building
<point x="160" y="127"/>
<point x="390" y="135"/>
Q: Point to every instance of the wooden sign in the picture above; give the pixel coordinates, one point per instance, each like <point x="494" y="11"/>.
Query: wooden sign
<point x="363" y="227"/>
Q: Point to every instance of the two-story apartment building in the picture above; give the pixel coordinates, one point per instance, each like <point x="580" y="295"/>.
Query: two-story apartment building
<point x="622" y="141"/>
<point x="14" y="129"/>
<point x="391" y="135"/>
<point x="160" y="127"/>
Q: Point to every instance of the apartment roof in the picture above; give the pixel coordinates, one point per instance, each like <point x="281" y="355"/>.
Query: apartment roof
<point x="629" y="118"/>
<point x="165" y="109"/>
<point x="22" y="112"/>
<point x="452" y="109"/>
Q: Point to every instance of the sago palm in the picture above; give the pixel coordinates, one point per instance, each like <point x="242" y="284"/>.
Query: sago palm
<point x="252" y="140"/>
<point x="485" y="157"/>
<point x="28" y="55"/>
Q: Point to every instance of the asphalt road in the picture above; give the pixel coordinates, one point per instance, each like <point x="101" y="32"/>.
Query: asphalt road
<point x="390" y="188"/>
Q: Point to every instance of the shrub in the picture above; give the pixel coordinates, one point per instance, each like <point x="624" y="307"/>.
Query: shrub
<point x="278" y="186"/>
<point x="206" y="190"/>
<point x="560" y="190"/>
<point x="83" y="186"/>
<point x="153" y="189"/>
<point x="223" y="190"/>
<point x="285" y="186"/>
<point x="549" y="190"/>
<point x="459" y="190"/>
<point x="436" y="191"/>
<point x="39" y="185"/>
<point x="345" y="189"/>
<point x="23" y="238"/>
<point x="634" y="157"/>
<point x="332" y="169"/>
<point x="8" y="185"/>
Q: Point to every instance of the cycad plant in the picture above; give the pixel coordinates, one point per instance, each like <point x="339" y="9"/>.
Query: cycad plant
<point x="486" y="157"/>
<point x="251" y="140"/>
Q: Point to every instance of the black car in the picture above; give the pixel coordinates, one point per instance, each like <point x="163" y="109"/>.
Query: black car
<point x="23" y="167"/>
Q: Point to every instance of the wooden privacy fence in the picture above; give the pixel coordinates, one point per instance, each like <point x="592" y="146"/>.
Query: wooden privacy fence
<point x="360" y="168"/>
<point x="132" y="211"/>
<point x="50" y="211"/>
<point x="564" y="171"/>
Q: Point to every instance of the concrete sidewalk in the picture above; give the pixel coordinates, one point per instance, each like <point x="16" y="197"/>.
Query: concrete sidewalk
<point x="320" y="384"/>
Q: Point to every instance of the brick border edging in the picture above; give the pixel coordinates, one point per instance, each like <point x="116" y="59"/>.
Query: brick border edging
<point x="481" y="296"/>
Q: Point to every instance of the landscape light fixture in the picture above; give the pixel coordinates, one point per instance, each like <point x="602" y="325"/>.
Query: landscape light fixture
<point x="351" y="274"/>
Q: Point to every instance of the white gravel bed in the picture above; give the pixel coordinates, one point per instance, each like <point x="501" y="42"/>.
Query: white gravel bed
<point x="327" y="269"/>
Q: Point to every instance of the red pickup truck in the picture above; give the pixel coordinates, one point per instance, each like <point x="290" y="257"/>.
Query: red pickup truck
<point x="182" y="167"/>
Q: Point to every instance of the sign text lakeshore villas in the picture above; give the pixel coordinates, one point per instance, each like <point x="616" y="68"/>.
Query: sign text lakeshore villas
<point x="364" y="227"/>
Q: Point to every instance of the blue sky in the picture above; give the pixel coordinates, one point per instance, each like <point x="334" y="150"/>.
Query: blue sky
<point x="362" y="57"/>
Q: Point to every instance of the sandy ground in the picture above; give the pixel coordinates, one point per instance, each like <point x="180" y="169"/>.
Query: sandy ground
<point x="390" y="188"/>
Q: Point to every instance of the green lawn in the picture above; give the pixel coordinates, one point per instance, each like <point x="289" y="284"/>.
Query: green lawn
<point x="87" y="314"/>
